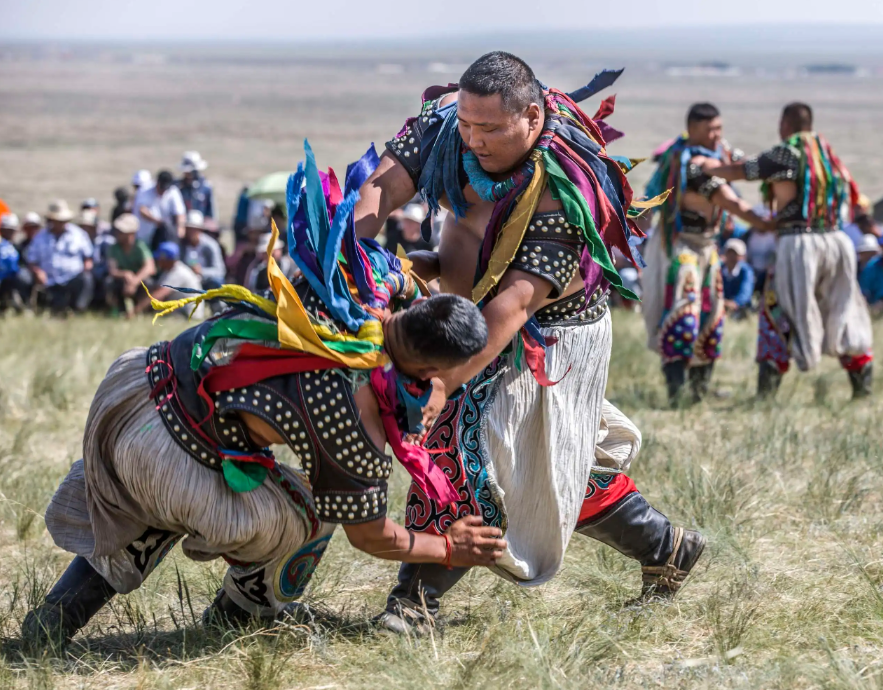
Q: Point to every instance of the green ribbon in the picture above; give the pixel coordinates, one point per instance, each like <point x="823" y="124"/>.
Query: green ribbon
<point x="243" y="476"/>
<point x="576" y="209"/>
<point x="242" y="329"/>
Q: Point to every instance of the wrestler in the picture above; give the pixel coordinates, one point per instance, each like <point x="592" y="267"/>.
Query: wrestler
<point x="812" y="301"/>
<point x="683" y="302"/>
<point x="160" y="465"/>
<point x="532" y="192"/>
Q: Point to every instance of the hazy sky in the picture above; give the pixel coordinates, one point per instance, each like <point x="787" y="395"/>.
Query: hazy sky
<point x="297" y="20"/>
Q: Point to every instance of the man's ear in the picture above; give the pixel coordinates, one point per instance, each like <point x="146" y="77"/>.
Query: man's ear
<point x="535" y="116"/>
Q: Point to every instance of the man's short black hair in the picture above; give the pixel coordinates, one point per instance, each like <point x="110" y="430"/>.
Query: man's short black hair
<point x="798" y="116"/>
<point x="504" y="74"/>
<point x="702" y="112"/>
<point x="164" y="179"/>
<point x="445" y="329"/>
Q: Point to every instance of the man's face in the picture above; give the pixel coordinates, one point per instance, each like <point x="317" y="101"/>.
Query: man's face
<point x="126" y="239"/>
<point x="707" y="133"/>
<point x="500" y="139"/>
<point x="30" y="229"/>
<point x="405" y="359"/>
<point x="411" y="230"/>
<point x="164" y="263"/>
<point x="7" y="233"/>
<point x="732" y="258"/>
<point x="56" y="227"/>
<point x="187" y="176"/>
<point x="192" y="235"/>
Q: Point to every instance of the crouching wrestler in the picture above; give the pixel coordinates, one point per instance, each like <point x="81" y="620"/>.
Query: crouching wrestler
<point x="169" y="455"/>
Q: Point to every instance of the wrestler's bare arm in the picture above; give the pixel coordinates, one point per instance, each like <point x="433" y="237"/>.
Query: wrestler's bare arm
<point x="519" y="296"/>
<point x="730" y="172"/>
<point x="388" y="188"/>
<point x="727" y="199"/>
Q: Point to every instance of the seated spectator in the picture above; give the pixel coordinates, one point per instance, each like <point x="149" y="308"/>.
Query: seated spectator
<point x="256" y="278"/>
<point x="405" y="231"/>
<point x="60" y="259"/>
<point x="161" y="211"/>
<point x="870" y="271"/>
<point x="30" y="226"/>
<point x="241" y="260"/>
<point x="123" y="203"/>
<point x="102" y="240"/>
<point x="738" y="279"/>
<point x="202" y="253"/>
<point x="129" y="263"/>
<point x="102" y="227"/>
<point x="24" y="281"/>
<point x="140" y="180"/>
<point x="172" y="273"/>
<point x="8" y="263"/>
<point x="195" y="189"/>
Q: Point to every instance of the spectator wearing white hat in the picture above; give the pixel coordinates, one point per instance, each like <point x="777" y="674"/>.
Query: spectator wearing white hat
<point x="405" y="230"/>
<point x="870" y="271"/>
<point x="129" y="263"/>
<point x="195" y="189"/>
<point x="8" y="259"/>
<point x="161" y="211"/>
<point x="141" y="180"/>
<point x="738" y="279"/>
<point x="60" y="259"/>
<point x="202" y="253"/>
<point x="256" y="278"/>
<point x="102" y="239"/>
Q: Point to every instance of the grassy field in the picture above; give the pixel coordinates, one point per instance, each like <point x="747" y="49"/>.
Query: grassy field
<point x="789" y="594"/>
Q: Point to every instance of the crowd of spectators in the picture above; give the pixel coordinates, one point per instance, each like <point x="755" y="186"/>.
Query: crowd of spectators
<point x="162" y="233"/>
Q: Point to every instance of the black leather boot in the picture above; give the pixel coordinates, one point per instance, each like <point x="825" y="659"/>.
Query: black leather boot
<point x="861" y="381"/>
<point x="675" y="377"/>
<point x="768" y="379"/>
<point x="75" y="598"/>
<point x="414" y="602"/>
<point x="700" y="378"/>
<point x="634" y="528"/>
<point x="226" y="613"/>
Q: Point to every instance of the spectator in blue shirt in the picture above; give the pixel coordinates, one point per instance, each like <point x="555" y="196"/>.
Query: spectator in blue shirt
<point x="195" y="189"/>
<point x="60" y="258"/>
<point x="870" y="271"/>
<point x="8" y="259"/>
<point x="738" y="279"/>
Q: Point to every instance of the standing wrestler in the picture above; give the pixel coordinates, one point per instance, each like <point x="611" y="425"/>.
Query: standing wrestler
<point x="683" y="301"/>
<point x="812" y="301"/>
<point x="535" y="203"/>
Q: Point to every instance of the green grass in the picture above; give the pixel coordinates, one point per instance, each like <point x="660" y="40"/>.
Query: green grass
<point x="789" y="594"/>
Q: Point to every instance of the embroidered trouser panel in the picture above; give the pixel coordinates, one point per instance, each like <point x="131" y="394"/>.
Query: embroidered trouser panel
<point x="683" y="305"/>
<point x="813" y="305"/>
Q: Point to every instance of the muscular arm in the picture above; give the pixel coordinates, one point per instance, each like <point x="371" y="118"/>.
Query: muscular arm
<point x="388" y="188"/>
<point x="731" y="172"/>
<point x="472" y="544"/>
<point x="727" y="199"/>
<point x="520" y="295"/>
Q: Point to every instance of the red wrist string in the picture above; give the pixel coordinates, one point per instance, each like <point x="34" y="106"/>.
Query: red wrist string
<point x="449" y="552"/>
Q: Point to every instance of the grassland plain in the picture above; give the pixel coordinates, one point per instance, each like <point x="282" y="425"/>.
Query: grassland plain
<point x="790" y="593"/>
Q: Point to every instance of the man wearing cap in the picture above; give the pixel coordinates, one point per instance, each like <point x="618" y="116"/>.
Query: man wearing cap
<point x="172" y="273"/>
<point x="738" y="278"/>
<point x="8" y="260"/>
<point x="161" y="211"/>
<point x="129" y="264"/>
<point x="141" y="180"/>
<point x="202" y="253"/>
<point x="256" y="277"/>
<point x="102" y="239"/>
<point x="404" y="231"/>
<point x="195" y="189"/>
<point x="60" y="259"/>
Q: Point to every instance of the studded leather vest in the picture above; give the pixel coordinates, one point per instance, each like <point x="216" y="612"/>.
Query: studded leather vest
<point x="314" y="411"/>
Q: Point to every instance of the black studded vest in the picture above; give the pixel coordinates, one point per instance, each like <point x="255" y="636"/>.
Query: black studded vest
<point x="314" y="411"/>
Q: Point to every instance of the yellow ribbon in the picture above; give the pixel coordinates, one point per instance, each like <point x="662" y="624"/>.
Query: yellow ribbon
<point x="296" y="331"/>
<point x="236" y="292"/>
<point x="652" y="203"/>
<point x="512" y="234"/>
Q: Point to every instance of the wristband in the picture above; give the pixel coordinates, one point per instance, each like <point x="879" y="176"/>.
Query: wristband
<point x="449" y="552"/>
